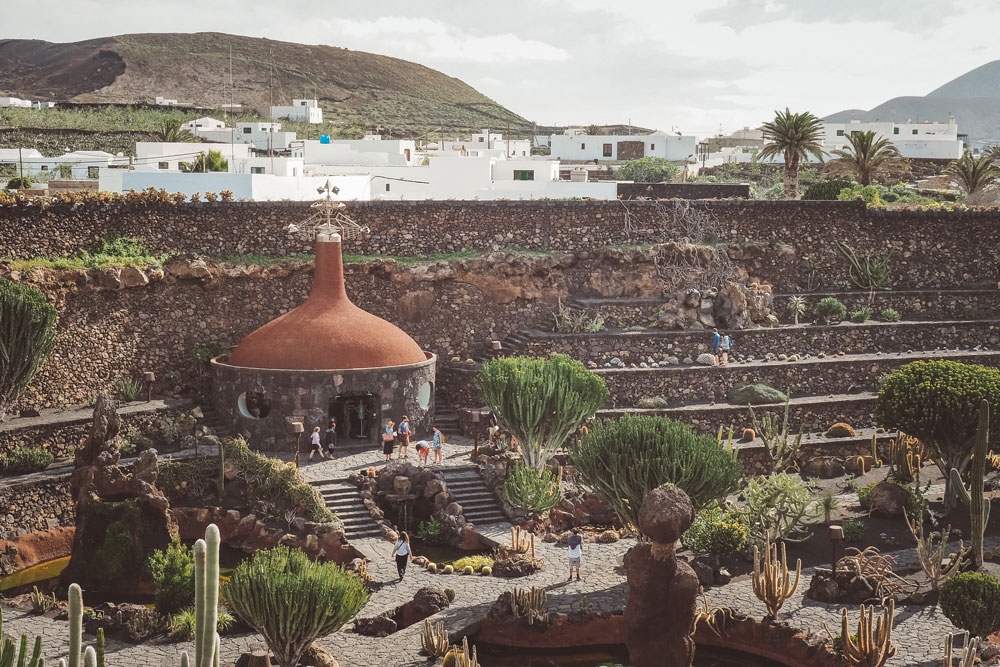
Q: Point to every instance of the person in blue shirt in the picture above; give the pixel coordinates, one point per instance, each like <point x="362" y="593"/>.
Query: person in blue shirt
<point x="716" y="339"/>
<point x="404" y="437"/>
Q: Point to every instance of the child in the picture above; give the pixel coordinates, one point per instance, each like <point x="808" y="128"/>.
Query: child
<point x="404" y="437"/>
<point x="314" y="447"/>
<point x="438" y="440"/>
<point x="423" y="449"/>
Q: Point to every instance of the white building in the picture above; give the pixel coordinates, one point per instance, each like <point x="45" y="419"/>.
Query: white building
<point x="262" y="136"/>
<point x="77" y="165"/>
<point x="14" y="102"/>
<point x="198" y="124"/>
<point x="574" y="145"/>
<point x="490" y="141"/>
<point x="160" y="156"/>
<point x="372" y="151"/>
<point x="303" y="111"/>
<point x="912" y="140"/>
<point x="166" y="102"/>
<point x="254" y="187"/>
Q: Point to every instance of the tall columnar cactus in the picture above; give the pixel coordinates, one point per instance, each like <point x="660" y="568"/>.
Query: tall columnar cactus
<point x="873" y="646"/>
<point x="100" y="647"/>
<point x="771" y="580"/>
<point x="434" y="640"/>
<point x="75" y="624"/>
<point x="11" y="655"/>
<point x="979" y="505"/>
<point x="206" y="589"/>
<point x="90" y="657"/>
<point x="529" y="603"/>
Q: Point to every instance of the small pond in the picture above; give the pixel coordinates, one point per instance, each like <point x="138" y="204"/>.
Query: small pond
<point x="610" y="656"/>
<point x="441" y="554"/>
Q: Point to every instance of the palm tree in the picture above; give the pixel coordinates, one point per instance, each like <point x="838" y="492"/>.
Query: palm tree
<point x="793" y="136"/>
<point x="973" y="174"/>
<point x="593" y="130"/>
<point x="213" y="161"/>
<point x="866" y="159"/>
<point x="170" y="131"/>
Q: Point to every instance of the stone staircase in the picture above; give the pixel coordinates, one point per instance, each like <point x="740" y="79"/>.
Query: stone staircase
<point x="341" y="498"/>
<point x="446" y="419"/>
<point x="214" y="421"/>
<point x="479" y="505"/>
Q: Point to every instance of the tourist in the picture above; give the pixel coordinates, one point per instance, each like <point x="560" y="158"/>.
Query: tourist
<point x="575" y="542"/>
<point x="404" y="437"/>
<point x="423" y="449"/>
<point x="314" y="447"/>
<point x="492" y="426"/>
<point x="331" y="437"/>
<point x="716" y="339"/>
<point x="725" y="344"/>
<point x="438" y="439"/>
<point x="402" y="553"/>
<point x="389" y="439"/>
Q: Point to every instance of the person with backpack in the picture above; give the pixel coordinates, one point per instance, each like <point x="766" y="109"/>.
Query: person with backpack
<point x="725" y="345"/>
<point x="716" y="338"/>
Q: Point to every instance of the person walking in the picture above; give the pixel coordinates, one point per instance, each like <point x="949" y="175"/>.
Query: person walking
<point x="389" y="439"/>
<point x="314" y="447"/>
<point x="575" y="542"/>
<point x="402" y="553"/>
<point x="725" y="344"/>
<point x="331" y="437"/>
<point x="404" y="437"/>
<point x="716" y="339"/>
<point x="438" y="441"/>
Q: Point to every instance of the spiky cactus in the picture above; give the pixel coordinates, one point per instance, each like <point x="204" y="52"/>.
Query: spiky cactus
<point x="873" y="646"/>
<point x="10" y="654"/>
<point x="434" y="640"/>
<point x="969" y="654"/>
<point x="206" y="592"/>
<point x="979" y="505"/>
<point x="530" y="604"/>
<point x="100" y="647"/>
<point x="27" y="334"/>
<point x="90" y="657"/>
<point x="75" y="624"/>
<point x="931" y="556"/>
<point x="771" y="580"/>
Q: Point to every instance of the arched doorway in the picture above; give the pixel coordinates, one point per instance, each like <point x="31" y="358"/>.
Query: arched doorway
<point x="357" y="417"/>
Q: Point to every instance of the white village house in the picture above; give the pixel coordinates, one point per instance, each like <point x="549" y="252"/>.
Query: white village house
<point x="912" y="140"/>
<point x="575" y="145"/>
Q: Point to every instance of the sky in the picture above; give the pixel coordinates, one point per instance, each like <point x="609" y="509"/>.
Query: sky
<point x="697" y="67"/>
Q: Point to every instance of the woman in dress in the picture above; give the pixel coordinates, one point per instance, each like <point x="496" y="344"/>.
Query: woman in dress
<point x="389" y="439"/>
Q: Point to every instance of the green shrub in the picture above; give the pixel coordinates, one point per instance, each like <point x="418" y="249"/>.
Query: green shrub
<point x="869" y="193"/>
<point x="889" y="315"/>
<point x="830" y="308"/>
<point x="292" y="600"/>
<point x="971" y="600"/>
<point x="854" y="531"/>
<point x="654" y="402"/>
<point x="173" y="575"/>
<point x="129" y="390"/>
<point x="756" y="394"/>
<point x="477" y="562"/>
<point x="429" y="530"/>
<point x="206" y="350"/>
<point x="624" y="459"/>
<point x="182" y="624"/>
<point x="648" y="170"/>
<point x="27" y="334"/>
<point x="19" y="182"/>
<point x="110" y="557"/>
<point x="826" y="190"/>
<point x="862" y="315"/>
<point x="531" y="491"/>
<point x="778" y="506"/>
<point x="716" y="532"/>
<point x="25" y="460"/>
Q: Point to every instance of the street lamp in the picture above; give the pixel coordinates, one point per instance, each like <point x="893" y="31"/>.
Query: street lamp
<point x="150" y="378"/>
<point x="836" y="535"/>
<point x="297" y="428"/>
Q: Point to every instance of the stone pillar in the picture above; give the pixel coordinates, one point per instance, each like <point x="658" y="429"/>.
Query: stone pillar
<point x="661" y="591"/>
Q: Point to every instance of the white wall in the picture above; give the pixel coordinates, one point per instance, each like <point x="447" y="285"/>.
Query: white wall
<point x="591" y="147"/>
<point x="367" y="152"/>
<point x="256" y="187"/>
<point x="912" y="140"/>
<point x="150" y="154"/>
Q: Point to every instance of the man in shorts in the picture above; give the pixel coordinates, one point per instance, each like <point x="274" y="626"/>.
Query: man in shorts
<point x="575" y="542"/>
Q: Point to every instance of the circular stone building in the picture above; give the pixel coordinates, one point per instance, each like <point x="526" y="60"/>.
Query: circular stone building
<point x="326" y="359"/>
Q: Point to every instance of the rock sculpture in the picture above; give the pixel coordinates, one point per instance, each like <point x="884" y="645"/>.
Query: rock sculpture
<point x="121" y="517"/>
<point x="660" y="610"/>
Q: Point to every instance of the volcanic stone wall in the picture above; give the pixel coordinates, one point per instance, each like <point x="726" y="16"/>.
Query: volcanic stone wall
<point x="39" y="503"/>
<point x="791" y="244"/>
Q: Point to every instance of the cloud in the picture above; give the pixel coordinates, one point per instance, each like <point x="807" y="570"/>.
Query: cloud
<point x="913" y="15"/>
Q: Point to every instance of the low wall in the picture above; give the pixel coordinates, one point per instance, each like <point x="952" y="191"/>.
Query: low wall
<point x="41" y="503"/>
<point x="707" y="384"/>
<point x="684" y="190"/>
<point x="635" y="347"/>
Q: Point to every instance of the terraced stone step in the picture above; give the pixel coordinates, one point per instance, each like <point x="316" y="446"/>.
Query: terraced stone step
<point x="342" y="498"/>
<point x="479" y="505"/>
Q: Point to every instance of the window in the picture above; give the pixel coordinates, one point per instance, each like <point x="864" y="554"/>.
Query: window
<point x="855" y="133"/>
<point x="895" y="130"/>
<point x="247" y="130"/>
<point x="840" y="133"/>
<point x="254" y="404"/>
<point x="524" y="174"/>
<point x="583" y="147"/>
<point x="386" y="187"/>
<point x="480" y="140"/>
<point x="163" y="165"/>
<point x="652" y="147"/>
<point x="914" y="131"/>
<point x="256" y="170"/>
<point x="607" y="150"/>
<point x="45" y="167"/>
<point x="93" y="172"/>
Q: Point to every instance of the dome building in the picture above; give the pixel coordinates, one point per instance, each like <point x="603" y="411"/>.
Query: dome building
<point x="326" y="359"/>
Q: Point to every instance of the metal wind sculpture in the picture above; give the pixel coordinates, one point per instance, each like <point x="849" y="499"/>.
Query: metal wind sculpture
<point x="328" y="217"/>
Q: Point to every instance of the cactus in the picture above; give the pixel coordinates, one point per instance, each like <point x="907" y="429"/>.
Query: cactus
<point x="450" y="594"/>
<point x="530" y="604"/>
<point x="782" y="449"/>
<point x="771" y="580"/>
<point x="468" y="569"/>
<point x="969" y="653"/>
<point x="461" y="657"/>
<point x="487" y="571"/>
<point x="979" y="506"/>
<point x="206" y="587"/>
<point x="873" y="646"/>
<point x="434" y="640"/>
<point x="75" y="624"/>
<point x="932" y="557"/>
<point x="11" y="654"/>
<point x="185" y="660"/>
<point x="432" y="567"/>
<point x="90" y="657"/>
<point x="100" y="647"/>
<point x="41" y="603"/>
<point x="448" y="569"/>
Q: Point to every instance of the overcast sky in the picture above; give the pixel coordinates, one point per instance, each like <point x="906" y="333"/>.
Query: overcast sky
<point x="695" y="66"/>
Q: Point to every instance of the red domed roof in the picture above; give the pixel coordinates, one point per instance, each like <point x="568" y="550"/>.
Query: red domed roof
<point x="327" y="331"/>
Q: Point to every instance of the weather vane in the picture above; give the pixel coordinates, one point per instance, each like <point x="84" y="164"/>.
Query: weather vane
<point x="328" y="217"/>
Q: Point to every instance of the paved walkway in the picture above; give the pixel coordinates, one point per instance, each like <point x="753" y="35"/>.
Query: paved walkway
<point x="919" y="632"/>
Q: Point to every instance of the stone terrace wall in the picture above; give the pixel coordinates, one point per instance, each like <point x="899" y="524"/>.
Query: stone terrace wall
<point x="39" y="504"/>
<point x="932" y="248"/>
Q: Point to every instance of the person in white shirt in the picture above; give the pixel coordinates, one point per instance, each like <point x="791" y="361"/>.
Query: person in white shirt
<point x="403" y="553"/>
<point x="575" y="542"/>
